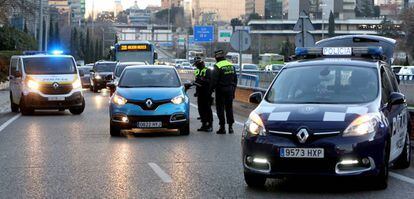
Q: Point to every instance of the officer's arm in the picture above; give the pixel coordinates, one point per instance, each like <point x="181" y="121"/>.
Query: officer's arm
<point x="235" y="78"/>
<point x="214" y="78"/>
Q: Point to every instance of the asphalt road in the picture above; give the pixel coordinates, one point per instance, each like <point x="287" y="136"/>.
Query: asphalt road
<point x="59" y="155"/>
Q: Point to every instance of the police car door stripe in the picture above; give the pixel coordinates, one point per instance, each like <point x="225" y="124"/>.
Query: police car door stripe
<point x="279" y="116"/>
<point x="334" y="117"/>
<point x="357" y="110"/>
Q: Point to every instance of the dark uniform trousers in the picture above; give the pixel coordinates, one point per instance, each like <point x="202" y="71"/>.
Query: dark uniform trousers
<point x="224" y="104"/>
<point x="204" y="107"/>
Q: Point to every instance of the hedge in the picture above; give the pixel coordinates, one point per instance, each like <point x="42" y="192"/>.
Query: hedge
<point x="4" y="63"/>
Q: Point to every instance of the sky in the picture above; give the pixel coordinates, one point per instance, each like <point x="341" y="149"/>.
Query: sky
<point x="109" y="4"/>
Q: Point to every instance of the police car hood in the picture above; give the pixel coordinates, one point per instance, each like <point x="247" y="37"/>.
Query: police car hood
<point x="67" y="78"/>
<point x="318" y="117"/>
<point x="155" y="93"/>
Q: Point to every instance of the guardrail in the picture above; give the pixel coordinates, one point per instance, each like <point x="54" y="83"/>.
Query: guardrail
<point x="406" y="79"/>
<point x="4" y="85"/>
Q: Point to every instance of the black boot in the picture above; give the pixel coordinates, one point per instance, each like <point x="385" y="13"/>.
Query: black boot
<point x="222" y="130"/>
<point x="209" y="127"/>
<point x="231" y="131"/>
<point x="203" y="127"/>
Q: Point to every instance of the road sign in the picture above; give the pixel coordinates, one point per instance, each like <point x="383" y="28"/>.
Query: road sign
<point x="304" y="40"/>
<point x="203" y="33"/>
<point x="303" y="23"/>
<point x="224" y="35"/>
<point x="240" y="40"/>
<point x="245" y="28"/>
<point x="181" y="40"/>
<point x="191" y="40"/>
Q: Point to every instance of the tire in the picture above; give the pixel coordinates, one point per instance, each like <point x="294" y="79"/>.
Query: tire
<point x="404" y="160"/>
<point x="380" y="182"/>
<point x="91" y="88"/>
<point x="94" y="89"/>
<point x="78" y="110"/>
<point x="185" y="130"/>
<point x="14" y="107"/>
<point x="254" y="180"/>
<point x="24" y="109"/>
<point x="115" y="131"/>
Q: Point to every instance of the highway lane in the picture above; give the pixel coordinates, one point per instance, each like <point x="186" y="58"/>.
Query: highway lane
<point x="56" y="154"/>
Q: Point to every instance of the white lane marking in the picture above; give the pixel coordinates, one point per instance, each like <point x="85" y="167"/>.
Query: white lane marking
<point x="215" y="114"/>
<point x="164" y="176"/>
<point x="3" y="126"/>
<point x="402" y="178"/>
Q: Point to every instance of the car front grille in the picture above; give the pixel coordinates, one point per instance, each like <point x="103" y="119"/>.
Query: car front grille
<point x="56" y="89"/>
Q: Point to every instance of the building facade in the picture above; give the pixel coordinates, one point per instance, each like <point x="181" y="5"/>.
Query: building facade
<point x="165" y="4"/>
<point x="255" y="6"/>
<point x="225" y="10"/>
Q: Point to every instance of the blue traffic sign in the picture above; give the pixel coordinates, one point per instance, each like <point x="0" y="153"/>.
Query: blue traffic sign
<point x="203" y="33"/>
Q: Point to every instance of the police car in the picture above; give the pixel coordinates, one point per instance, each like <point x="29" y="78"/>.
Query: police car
<point x="45" y="81"/>
<point x="336" y="112"/>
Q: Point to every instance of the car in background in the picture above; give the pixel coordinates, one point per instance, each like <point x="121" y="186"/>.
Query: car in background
<point x="274" y="67"/>
<point x="177" y="62"/>
<point x="149" y="98"/>
<point x="396" y="68"/>
<point x="406" y="70"/>
<point x="45" y="82"/>
<point x="186" y="65"/>
<point x="250" y="67"/>
<point x="84" y="72"/>
<point x="101" y="73"/>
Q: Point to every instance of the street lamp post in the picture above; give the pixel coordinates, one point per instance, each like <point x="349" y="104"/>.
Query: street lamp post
<point x="323" y="5"/>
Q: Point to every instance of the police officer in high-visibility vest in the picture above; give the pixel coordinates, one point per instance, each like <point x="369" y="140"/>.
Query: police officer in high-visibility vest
<point x="203" y="93"/>
<point x="224" y="83"/>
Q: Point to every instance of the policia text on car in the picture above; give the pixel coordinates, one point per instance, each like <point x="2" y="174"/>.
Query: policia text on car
<point x="224" y="82"/>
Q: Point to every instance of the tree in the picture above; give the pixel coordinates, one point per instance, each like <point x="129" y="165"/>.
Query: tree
<point x="235" y="22"/>
<point x="407" y="17"/>
<point x="287" y="48"/>
<point x="122" y="17"/>
<point x="57" y="34"/>
<point x="253" y="16"/>
<point x="25" y="29"/>
<point x="387" y="29"/>
<point x="51" y="36"/>
<point x="331" y="25"/>
<point x="13" y="39"/>
<point x="26" y="7"/>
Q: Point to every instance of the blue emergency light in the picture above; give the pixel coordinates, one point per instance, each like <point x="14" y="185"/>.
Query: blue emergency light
<point x="373" y="52"/>
<point x="57" y="52"/>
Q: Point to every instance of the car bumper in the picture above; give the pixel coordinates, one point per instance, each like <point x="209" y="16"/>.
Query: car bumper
<point x="171" y="115"/>
<point x="100" y="84"/>
<point x="37" y="101"/>
<point x="336" y="149"/>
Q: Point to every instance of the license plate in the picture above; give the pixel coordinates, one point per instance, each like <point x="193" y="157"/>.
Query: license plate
<point x="149" y="124"/>
<point x="302" y="153"/>
<point x="56" y="98"/>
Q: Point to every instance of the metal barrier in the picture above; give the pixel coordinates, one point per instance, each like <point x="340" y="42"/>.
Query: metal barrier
<point x="248" y="80"/>
<point x="406" y="79"/>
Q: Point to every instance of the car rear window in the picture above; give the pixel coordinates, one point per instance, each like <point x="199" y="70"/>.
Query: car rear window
<point x="105" y="67"/>
<point x="49" y="65"/>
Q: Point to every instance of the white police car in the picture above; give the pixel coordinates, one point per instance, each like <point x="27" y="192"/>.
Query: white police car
<point x="337" y="112"/>
<point x="43" y="81"/>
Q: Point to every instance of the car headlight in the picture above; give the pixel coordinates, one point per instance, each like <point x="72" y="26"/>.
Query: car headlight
<point x="98" y="77"/>
<point x="178" y="100"/>
<point x="119" y="100"/>
<point x="254" y="125"/>
<point x="32" y="84"/>
<point x="77" y="84"/>
<point x="363" y="125"/>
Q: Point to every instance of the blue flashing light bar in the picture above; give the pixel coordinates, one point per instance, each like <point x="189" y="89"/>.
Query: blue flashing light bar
<point x="57" y="52"/>
<point x="374" y="52"/>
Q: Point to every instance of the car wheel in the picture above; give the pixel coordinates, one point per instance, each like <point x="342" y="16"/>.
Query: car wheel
<point x="14" y="107"/>
<point x="404" y="159"/>
<point x="78" y="110"/>
<point x="254" y="180"/>
<point x="115" y="131"/>
<point x="185" y="130"/>
<point x="95" y="90"/>
<point x="24" y="109"/>
<point x="91" y="88"/>
<point x="380" y="181"/>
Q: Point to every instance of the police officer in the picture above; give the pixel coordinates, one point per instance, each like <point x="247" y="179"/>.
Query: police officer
<point x="224" y="83"/>
<point x="203" y="93"/>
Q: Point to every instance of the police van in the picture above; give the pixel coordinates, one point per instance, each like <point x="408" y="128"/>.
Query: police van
<point x="337" y="111"/>
<point x="43" y="81"/>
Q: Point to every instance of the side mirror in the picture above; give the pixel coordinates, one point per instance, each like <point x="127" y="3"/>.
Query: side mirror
<point x="256" y="98"/>
<point x="187" y="86"/>
<point x="155" y="55"/>
<point x="396" y="99"/>
<point x="81" y="73"/>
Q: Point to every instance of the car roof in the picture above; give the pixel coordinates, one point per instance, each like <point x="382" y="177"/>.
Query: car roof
<point x="151" y="66"/>
<point x="43" y="55"/>
<point x="337" y="61"/>
<point x="129" y="63"/>
<point x="133" y="42"/>
<point x="106" y="62"/>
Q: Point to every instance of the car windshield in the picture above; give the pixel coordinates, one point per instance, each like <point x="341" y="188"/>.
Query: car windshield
<point x="250" y="67"/>
<point x="85" y="70"/>
<point x="49" y="65"/>
<point x="149" y="77"/>
<point x="104" y="67"/>
<point x="324" y="85"/>
<point x="120" y="68"/>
